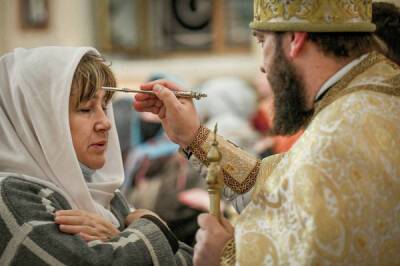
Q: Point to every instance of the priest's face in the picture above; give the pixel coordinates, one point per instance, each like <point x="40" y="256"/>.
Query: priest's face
<point x="290" y="111"/>
<point x="89" y="126"/>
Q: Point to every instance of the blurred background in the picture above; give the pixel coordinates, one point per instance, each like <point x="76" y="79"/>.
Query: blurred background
<point x="193" y="39"/>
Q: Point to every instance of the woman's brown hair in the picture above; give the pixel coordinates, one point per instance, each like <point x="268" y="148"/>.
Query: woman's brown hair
<point x="91" y="74"/>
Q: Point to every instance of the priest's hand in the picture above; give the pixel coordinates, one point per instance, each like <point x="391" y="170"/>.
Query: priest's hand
<point x="178" y="115"/>
<point x="88" y="226"/>
<point x="211" y="239"/>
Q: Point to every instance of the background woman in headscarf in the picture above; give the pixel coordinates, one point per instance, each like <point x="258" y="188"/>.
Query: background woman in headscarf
<point x="231" y="102"/>
<point x="61" y="167"/>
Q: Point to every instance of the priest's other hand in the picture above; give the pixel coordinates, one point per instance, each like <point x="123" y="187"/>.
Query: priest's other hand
<point x="211" y="239"/>
<point x="178" y="115"/>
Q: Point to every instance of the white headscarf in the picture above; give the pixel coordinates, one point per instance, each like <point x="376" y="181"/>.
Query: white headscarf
<point x="34" y="127"/>
<point x="227" y="95"/>
<point x="230" y="102"/>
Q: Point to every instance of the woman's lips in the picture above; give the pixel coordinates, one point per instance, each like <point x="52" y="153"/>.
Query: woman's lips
<point x="99" y="146"/>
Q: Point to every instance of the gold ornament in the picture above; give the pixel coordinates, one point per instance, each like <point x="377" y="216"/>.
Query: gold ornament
<point x="215" y="179"/>
<point x="313" y="15"/>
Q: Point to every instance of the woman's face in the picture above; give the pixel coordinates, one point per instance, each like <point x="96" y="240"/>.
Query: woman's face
<point x="89" y="129"/>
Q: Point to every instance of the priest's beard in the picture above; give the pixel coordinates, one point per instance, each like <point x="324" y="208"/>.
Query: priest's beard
<point x="290" y="111"/>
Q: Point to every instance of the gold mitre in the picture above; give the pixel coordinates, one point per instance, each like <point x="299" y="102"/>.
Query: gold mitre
<point x="313" y="15"/>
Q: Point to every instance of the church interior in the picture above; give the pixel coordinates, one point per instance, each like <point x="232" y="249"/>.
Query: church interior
<point x="205" y="46"/>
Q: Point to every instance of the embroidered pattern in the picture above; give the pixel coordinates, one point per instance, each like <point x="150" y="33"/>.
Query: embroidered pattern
<point x="228" y="254"/>
<point x="342" y="88"/>
<point x="200" y="137"/>
<point x="244" y="186"/>
<point x="231" y="165"/>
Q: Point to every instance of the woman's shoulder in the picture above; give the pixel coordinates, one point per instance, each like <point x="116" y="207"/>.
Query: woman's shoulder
<point x="27" y="198"/>
<point x="17" y="180"/>
<point x="27" y="183"/>
<point x="19" y="183"/>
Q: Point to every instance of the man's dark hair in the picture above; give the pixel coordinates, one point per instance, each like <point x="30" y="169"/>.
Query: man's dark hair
<point x="344" y="44"/>
<point x="386" y="17"/>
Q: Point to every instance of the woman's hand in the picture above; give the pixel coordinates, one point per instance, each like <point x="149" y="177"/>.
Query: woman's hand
<point x="87" y="225"/>
<point x="178" y="115"/>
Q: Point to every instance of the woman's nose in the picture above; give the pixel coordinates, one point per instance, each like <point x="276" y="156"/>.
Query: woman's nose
<point x="262" y="69"/>
<point x="103" y="122"/>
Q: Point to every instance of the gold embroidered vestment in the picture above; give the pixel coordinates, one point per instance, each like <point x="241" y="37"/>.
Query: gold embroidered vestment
<point x="334" y="198"/>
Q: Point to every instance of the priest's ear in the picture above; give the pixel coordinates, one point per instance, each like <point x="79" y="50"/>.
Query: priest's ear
<point x="297" y="43"/>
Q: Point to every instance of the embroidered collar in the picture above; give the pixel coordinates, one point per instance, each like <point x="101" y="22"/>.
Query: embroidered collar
<point x="338" y="76"/>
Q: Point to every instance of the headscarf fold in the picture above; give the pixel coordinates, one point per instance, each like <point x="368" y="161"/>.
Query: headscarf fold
<point x="35" y="135"/>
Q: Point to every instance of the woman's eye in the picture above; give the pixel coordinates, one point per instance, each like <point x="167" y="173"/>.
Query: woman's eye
<point x="104" y="108"/>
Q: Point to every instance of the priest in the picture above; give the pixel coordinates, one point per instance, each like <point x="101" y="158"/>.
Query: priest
<point x="334" y="197"/>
